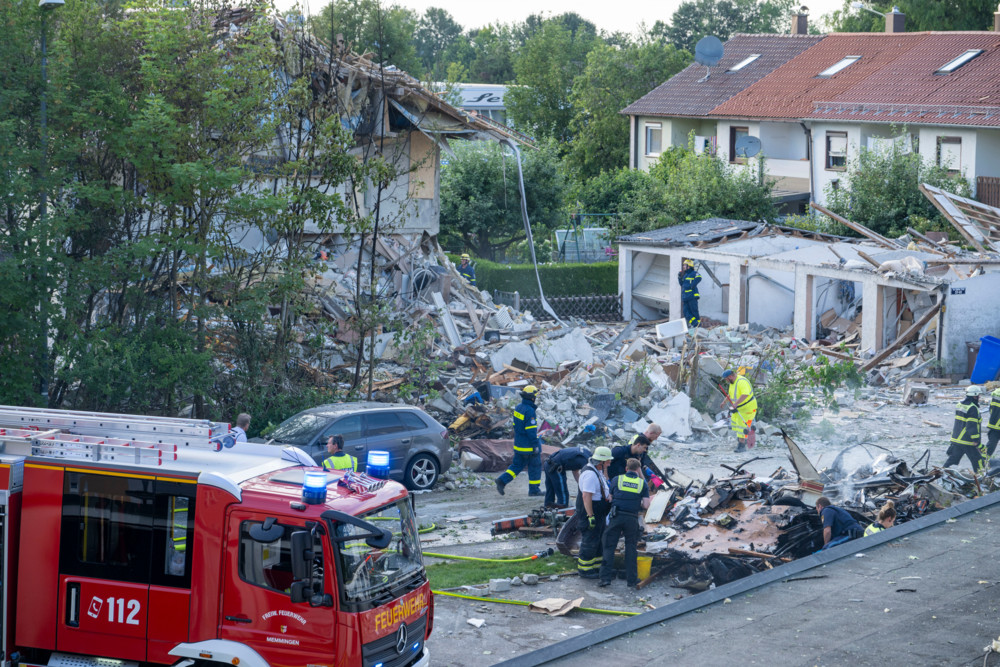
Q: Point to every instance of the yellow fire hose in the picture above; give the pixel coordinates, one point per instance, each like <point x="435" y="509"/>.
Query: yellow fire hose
<point x="522" y="603"/>
<point x="540" y="554"/>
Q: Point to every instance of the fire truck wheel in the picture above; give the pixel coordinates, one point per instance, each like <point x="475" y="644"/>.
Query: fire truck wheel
<point x="421" y="472"/>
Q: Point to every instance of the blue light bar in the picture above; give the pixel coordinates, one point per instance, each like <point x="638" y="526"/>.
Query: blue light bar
<point x="378" y="464"/>
<point x="314" y="488"/>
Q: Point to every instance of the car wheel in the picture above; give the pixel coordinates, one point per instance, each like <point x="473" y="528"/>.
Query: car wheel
<point x="421" y="472"/>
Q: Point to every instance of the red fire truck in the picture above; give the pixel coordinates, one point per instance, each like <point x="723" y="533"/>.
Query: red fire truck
<point x="131" y="541"/>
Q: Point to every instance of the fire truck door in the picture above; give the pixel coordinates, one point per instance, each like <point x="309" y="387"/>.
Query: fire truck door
<point x="257" y="607"/>
<point x="104" y="565"/>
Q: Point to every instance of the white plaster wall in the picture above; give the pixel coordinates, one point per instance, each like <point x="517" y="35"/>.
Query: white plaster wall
<point x="646" y="161"/>
<point x="713" y="302"/>
<point x="969" y="317"/>
<point x="987" y="154"/>
<point x="783" y="141"/>
<point x="723" y="133"/>
<point x="928" y="146"/>
<point x="822" y="176"/>
<point x="641" y="261"/>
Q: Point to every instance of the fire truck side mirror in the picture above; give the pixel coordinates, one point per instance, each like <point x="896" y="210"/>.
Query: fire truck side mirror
<point x="302" y="555"/>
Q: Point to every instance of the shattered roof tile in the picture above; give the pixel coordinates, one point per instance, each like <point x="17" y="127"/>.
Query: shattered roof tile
<point x="700" y="231"/>
<point x="685" y="95"/>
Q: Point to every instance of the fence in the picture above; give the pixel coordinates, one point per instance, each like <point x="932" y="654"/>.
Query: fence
<point x="988" y="190"/>
<point x="597" y="308"/>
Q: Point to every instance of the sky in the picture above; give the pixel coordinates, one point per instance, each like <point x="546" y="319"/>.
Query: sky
<point x="608" y="16"/>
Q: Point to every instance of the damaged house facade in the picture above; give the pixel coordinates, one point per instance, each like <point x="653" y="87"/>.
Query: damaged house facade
<point x="813" y="101"/>
<point x="874" y="295"/>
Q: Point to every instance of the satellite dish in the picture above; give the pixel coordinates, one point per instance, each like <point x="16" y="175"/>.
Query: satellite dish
<point x="708" y="52"/>
<point x="747" y="146"/>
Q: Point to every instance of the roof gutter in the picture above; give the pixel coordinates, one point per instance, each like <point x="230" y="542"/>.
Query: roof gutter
<point x="809" y="156"/>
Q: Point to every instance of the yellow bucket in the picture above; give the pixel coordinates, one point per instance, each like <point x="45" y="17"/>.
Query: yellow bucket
<point x="642" y="566"/>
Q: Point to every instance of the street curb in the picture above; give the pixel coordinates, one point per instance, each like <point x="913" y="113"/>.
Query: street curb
<point x="586" y="640"/>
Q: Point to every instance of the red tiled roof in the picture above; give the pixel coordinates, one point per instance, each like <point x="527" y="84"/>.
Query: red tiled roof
<point x="790" y="90"/>
<point x="684" y="94"/>
<point x="908" y="90"/>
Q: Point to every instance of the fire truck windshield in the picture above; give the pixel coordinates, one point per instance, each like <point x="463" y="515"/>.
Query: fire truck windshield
<point x="370" y="573"/>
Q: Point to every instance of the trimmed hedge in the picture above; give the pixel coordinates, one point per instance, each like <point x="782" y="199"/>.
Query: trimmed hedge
<point x="557" y="279"/>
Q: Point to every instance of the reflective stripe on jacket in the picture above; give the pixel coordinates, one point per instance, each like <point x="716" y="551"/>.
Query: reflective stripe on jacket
<point x="689" y="285"/>
<point x="994" y="422"/>
<point x="967" y="423"/>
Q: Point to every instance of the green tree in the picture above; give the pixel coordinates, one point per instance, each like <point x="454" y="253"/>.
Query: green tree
<point x="702" y="185"/>
<point x="881" y="190"/>
<point x="921" y="15"/>
<point x="632" y="196"/>
<point x="481" y="202"/>
<point x="695" y="19"/>
<point x="491" y="54"/>
<point x="436" y="31"/>
<point x="368" y="26"/>
<point x="613" y="79"/>
<point x="546" y="66"/>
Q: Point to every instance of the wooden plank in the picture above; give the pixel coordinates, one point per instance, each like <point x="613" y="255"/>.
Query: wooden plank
<point x="903" y="337"/>
<point x="756" y="554"/>
<point x="952" y="214"/>
<point x="859" y="228"/>
<point x="865" y="256"/>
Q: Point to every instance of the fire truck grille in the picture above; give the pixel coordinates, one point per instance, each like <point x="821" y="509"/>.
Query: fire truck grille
<point x="385" y="651"/>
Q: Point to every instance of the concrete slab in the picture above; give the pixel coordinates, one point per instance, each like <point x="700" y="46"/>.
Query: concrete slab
<point x="672" y="415"/>
<point x="573" y="346"/>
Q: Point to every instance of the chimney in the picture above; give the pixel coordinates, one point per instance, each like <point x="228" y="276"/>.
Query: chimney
<point x="996" y="20"/>
<point x="895" y="21"/>
<point x="800" y="21"/>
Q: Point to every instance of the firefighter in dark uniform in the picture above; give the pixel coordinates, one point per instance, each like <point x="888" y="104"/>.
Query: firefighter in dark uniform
<point x="593" y="501"/>
<point x="689" y="278"/>
<point x="966" y="437"/>
<point x="993" y="424"/>
<point x="570" y="458"/>
<point x="339" y="459"/>
<point x="629" y="495"/>
<point x="466" y="270"/>
<point x="527" y="449"/>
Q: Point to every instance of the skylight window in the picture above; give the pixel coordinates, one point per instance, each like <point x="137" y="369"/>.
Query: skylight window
<point x="843" y="64"/>
<point x="743" y="63"/>
<point x="959" y="61"/>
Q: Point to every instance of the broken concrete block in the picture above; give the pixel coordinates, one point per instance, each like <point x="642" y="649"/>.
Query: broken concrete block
<point x="915" y="394"/>
<point x="672" y="415"/>
<point x="516" y="351"/>
<point x="710" y="366"/>
<point x="671" y="329"/>
<point x="470" y="460"/>
<point x="530" y="579"/>
<point x="499" y="585"/>
<point x="573" y="346"/>
<point x="658" y="377"/>
<point x="476" y="622"/>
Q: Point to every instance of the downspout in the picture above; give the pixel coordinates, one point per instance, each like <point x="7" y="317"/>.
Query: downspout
<point x="809" y="153"/>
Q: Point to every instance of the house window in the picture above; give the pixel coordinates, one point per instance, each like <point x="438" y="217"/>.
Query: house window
<point x="959" y="61"/>
<point x="734" y="135"/>
<point x="838" y="66"/>
<point x="836" y="151"/>
<point x="654" y="138"/>
<point x="949" y="153"/>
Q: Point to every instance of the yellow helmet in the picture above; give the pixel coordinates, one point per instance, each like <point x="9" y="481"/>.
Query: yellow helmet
<point x="688" y="262"/>
<point x="530" y="390"/>
<point x="465" y="255"/>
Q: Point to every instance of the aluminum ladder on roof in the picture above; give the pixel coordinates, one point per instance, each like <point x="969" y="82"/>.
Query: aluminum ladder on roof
<point x="101" y="436"/>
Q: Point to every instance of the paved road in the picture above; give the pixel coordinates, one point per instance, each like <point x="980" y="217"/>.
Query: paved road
<point x="929" y="598"/>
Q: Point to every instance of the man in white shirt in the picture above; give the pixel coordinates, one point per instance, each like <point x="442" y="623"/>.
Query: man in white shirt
<point x="592" y="504"/>
<point x="240" y="430"/>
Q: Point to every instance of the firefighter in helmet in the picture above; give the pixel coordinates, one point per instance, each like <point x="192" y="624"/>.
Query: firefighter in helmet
<point x="966" y="435"/>
<point x="688" y="277"/>
<point x="466" y="270"/>
<point x="527" y="448"/>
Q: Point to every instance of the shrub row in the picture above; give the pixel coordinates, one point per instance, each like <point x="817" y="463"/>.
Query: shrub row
<point x="557" y="279"/>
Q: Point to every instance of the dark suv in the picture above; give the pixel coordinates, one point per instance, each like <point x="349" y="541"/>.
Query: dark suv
<point x="418" y="446"/>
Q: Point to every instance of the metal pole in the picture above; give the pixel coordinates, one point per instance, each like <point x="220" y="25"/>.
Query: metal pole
<point x="44" y="129"/>
<point x="43" y="210"/>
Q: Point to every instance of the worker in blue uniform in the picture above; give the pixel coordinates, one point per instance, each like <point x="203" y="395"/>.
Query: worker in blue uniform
<point x="466" y="270"/>
<point x="688" y="277"/>
<point x="527" y="448"/>
<point x="629" y="496"/>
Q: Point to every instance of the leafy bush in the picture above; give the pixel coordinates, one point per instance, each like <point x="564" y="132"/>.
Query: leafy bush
<point x="557" y="279"/>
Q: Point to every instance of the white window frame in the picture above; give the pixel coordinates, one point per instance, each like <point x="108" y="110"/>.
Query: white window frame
<point x="743" y="63"/>
<point x="953" y="65"/>
<point x="838" y="66"/>
<point x="836" y="154"/>
<point x="953" y="166"/>
<point x="649" y="129"/>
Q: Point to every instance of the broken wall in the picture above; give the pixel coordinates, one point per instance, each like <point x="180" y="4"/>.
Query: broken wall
<point x="972" y="310"/>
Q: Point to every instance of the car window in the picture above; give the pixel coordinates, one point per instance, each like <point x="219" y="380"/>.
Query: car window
<point x="383" y="423"/>
<point x="412" y="421"/>
<point x="299" y="430"/>
<point x="349" y="427"/>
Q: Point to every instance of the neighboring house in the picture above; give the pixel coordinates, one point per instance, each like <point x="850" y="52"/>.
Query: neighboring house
<point x="813" y="101"/>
